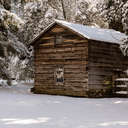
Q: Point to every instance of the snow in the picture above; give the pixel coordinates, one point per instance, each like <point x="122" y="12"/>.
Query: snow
<point x="122" y="79"/>
<point x="121" y="86"/>
<point x="3" y="82"/>
<point x="122" y="92"/>
<point x="21" y="109"/>
<point x="94" y="33"/>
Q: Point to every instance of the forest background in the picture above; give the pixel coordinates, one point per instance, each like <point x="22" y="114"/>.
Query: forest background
<point x="22" y="20"/>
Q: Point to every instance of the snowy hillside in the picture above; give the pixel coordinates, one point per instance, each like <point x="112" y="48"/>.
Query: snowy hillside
<point x="19" y="108"/>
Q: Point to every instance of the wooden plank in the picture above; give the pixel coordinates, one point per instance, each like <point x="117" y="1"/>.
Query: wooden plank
<point x="57" y="56"/>
<point x="64" y="45"/>
<point x="72" y="61"/>
<point x="96" y="86"/>
<point x="44" y="71"/>
<point x="74" y="76"/>
<point x="76" y="84"/>
<point x="66" y="62"/>
<point x="58" y="29"/>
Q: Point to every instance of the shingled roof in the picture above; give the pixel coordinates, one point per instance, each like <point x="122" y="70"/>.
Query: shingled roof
<point x="89" y="32"/>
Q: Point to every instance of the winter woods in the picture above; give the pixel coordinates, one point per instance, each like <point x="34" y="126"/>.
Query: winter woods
<point x="10" y="44"/>
<point x="21" y="20"/>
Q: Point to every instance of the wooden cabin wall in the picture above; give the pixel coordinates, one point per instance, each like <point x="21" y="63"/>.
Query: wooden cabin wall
<point x="72" y="54"/>
<point x="105" y="59"/>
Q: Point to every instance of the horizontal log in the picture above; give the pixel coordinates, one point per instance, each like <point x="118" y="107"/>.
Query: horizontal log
<point x="102" y="48"/>
<point x="100" y="73"/>
<point x="66" y="64"/>
<point x="72" y="66"/>
<point x="51" y="69"/>
<point x="109" y="56"/>
<point x="97" y="86"/>
<point x="57" y="49"/>
<point x="103" y="44"/>
<point x="76" y="80"/>
<point x="104" y="70"/>
<point x="67" y="68"/>
<point x="73" y="76"/>
<point x="66" y="79"/>
<point x="66" y="73"/>
<point x="58" y="29"/>
<point x="43" y="81"/>
<point x="65" y="39"/>
<point x="74" y="41"/>
<point x="64" y="34"/>
<point x="48" y="87"/>
<point x="67" y="36"/>
<point x="68" y="56"/>
<point x="59" y="57"/>
<point x="41" y="64"/>
<point x="83" y="53"/>
<point x="104" y="61"/>
<point x="101" y="65"/>
<point x="44" y="75"/>
<point x="96" y="82"/>
<point x="72" y="70"/>
<point x="76" y="84"/>
<point x="104" y="52"/>
<point x="44" y="71"/>
<point x="65" y="84"/>
<point x="78" y="61"/>
<point x="46" y="67"/>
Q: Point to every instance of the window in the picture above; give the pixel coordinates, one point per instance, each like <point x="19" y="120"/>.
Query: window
<point x="58" y="39"/>
<point x="59" y="75"/>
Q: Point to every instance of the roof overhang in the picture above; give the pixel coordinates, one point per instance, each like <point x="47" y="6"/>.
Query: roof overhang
<point x="87" y="32"/>
<point x="33" y="42"/>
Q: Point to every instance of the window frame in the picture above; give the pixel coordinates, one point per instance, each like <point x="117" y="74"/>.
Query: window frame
<point x="59" y="75"/>
<point x="58" y="39"/>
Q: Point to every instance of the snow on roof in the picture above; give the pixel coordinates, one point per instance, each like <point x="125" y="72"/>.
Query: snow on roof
<point x="89" y="32"/>
<point x="94" y="33"/>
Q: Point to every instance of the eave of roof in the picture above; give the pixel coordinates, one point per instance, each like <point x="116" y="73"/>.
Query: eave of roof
<point x="51" y="25"/>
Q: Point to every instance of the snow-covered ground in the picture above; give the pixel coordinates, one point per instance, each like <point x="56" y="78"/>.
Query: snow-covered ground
<point x="21" y="109"/>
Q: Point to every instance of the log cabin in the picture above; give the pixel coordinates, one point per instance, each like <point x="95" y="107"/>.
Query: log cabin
<point x="76" y="60"/>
